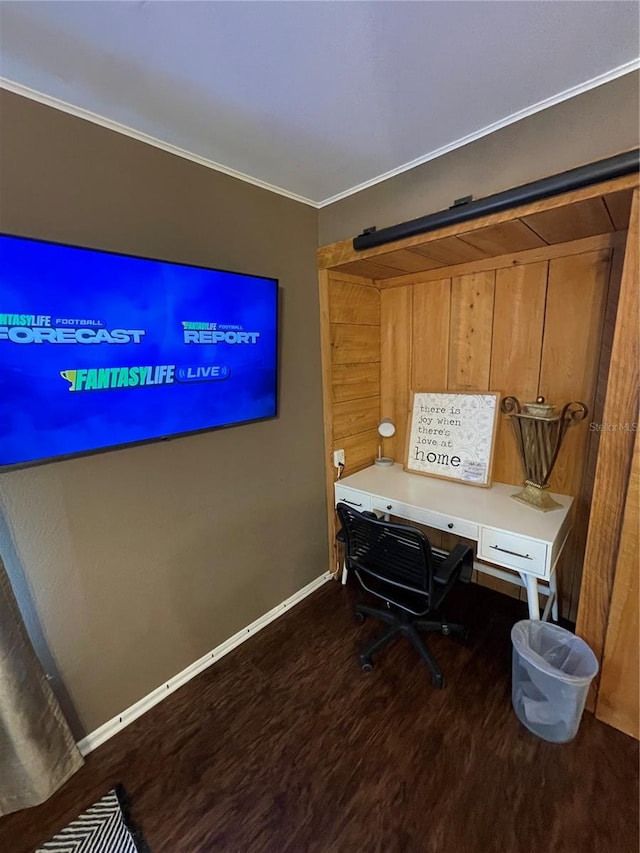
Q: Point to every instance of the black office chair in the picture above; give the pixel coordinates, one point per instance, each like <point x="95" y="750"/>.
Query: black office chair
<point x="396" y="563"/>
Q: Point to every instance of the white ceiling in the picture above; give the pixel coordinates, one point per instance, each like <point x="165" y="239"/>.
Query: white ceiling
<point x="312" y="99"/>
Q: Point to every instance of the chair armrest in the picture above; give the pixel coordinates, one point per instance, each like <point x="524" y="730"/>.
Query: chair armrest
<point x="460" y="560"/>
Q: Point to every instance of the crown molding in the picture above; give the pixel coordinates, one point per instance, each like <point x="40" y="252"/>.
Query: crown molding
<point x="565" y="95"/>
<point x="87" y="115"/>
<point x="95" y="118"/>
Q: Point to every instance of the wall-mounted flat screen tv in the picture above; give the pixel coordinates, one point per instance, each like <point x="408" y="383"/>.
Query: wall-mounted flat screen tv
<point x="99" y="350"/>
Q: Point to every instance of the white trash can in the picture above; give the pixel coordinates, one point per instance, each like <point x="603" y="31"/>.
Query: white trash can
<point x="552" y="671"/>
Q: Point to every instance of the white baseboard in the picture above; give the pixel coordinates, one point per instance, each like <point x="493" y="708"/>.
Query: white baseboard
<point x="119" y="722"/>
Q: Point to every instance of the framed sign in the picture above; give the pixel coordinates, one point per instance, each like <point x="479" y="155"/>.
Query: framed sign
<point x="452" y="436"/>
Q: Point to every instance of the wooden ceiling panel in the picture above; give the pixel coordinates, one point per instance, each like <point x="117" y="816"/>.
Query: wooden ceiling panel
<point x="571" y="222"/>
<point x="368" y="269"/>
<point x="405" y="260"/>
<point x="504" y="238"/>
<point x="450" y="250"/>
<point x="584" y="208"/>
<point x="619" y="207"/>
<point x="588" y="213"/>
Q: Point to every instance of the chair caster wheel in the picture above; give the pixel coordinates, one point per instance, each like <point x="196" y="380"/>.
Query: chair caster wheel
<point x="366" y="665"/>
<point x="360" y="617"/>
<point x="438" y="681"/>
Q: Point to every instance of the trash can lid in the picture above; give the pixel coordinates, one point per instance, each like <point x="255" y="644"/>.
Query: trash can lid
<point x="554" y="650"/>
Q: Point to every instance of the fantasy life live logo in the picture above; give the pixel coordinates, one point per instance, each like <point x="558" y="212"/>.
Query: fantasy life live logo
<point x="139" y="376"/>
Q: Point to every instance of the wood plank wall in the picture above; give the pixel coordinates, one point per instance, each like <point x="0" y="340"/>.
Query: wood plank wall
<point x="526" y="330"/>
<point x="602" y="560"/>
<point x="619" y="683"/>
<point x="350" y="347"/>
<point x="354" y="328"/>
<point x="523" y="329"/>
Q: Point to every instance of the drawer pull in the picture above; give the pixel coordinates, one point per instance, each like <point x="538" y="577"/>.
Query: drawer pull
<point x="389" y="506"/>
<point x="513" y="553"/>
<point x="352" y="503"/>
<point x="450" y="525"/>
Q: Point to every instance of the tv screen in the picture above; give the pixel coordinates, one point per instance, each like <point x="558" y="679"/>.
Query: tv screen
<point x="99" y="350"/>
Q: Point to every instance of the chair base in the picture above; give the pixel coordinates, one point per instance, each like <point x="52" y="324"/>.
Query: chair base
<point x="404" y="624"/>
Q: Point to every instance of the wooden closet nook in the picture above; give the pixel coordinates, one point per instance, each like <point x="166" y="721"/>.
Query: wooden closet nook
<point x="541" y="299"/>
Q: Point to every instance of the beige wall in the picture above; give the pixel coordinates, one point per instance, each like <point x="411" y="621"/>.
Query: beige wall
<point x="597" y="124"/>
<point x="132" y="564"/>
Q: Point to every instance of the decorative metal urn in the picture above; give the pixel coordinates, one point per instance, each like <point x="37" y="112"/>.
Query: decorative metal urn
<point x="539" y="432"/>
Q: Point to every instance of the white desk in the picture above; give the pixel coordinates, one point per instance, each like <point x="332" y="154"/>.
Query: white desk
<point x="509" y="534"/>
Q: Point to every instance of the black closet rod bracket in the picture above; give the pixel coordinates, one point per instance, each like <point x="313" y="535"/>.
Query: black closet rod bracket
<point x="463" y="209"/>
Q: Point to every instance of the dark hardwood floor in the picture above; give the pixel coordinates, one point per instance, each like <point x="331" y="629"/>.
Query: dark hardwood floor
<point x="285" y="746"/>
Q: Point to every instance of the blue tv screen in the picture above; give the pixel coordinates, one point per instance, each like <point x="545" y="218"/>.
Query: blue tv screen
<point x="99" y="350"/>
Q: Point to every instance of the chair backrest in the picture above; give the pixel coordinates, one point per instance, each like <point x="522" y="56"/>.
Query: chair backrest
<point x="397" y="554"/>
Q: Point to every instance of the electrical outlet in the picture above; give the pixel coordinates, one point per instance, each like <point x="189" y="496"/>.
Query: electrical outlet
<point x="338" y="458"/>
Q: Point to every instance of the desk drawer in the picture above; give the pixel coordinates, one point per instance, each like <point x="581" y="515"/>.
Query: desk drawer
<point x="358" y="500"/>
<point x="456" y="526"/>
<point x="514" y="552"/>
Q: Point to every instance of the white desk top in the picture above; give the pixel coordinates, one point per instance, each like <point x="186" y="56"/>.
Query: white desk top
<point x="487" y="507"/>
